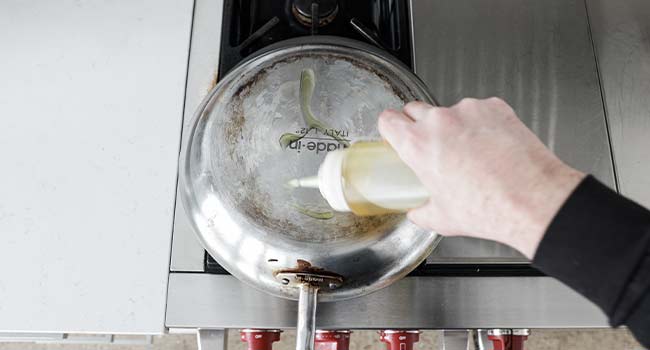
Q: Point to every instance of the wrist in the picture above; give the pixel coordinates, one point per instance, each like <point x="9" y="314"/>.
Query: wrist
<point x="548" y="191"/>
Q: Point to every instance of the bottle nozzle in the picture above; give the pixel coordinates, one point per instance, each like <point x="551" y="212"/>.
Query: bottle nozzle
<point x="305" y="182"/>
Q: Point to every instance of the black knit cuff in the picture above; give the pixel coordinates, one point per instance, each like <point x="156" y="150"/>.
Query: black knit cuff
<point x="598" y="244"/>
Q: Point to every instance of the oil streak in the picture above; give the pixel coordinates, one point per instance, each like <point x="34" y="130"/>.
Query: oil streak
<point x="316" y="214"/>
<point x="307" y="85"/>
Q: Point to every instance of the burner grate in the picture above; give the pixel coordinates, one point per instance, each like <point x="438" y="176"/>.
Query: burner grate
<point x="250" y="25"/>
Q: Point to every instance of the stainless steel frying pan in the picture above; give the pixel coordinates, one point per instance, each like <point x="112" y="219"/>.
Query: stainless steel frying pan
<point x="234" y="172"/>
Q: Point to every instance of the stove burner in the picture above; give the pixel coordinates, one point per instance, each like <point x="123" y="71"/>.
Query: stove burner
<point x="250" y="25"/>
<point x="305" y="11"/>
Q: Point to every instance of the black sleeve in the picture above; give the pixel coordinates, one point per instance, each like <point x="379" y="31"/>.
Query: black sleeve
<point x="599" y="245"/>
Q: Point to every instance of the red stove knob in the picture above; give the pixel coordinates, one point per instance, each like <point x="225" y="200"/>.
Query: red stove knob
<point x="332" y="340"/>
<point x="500" y="338"/>
<point x="508" y="339"/>
<point x="260" y="339"/>
<point x="399" y="339"/>
<point x="518" y="337"/>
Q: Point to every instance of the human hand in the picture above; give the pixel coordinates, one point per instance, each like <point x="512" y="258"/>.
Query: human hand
<point x="488" y="175"/>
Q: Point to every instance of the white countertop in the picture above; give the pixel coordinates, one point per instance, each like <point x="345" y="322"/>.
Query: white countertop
<point x="91" y="106"/>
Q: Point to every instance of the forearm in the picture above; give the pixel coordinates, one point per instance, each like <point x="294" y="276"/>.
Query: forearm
<point x="599" y="244"/>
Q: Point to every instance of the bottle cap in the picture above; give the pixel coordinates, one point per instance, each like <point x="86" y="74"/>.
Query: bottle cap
<point x="330" y="180"/>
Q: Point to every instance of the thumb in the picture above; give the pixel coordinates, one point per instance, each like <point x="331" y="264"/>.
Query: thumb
<point x="421" y="217"/>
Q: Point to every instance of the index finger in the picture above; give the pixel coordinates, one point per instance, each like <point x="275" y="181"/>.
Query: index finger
<point x="393" y="125"/>
<point x="417" y="110"/>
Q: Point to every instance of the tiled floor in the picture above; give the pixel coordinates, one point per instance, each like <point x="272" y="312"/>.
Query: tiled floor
<point x="368" y="340"/>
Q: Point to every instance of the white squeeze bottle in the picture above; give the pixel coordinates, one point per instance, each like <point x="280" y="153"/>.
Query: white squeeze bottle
<point x="367" y="178"/>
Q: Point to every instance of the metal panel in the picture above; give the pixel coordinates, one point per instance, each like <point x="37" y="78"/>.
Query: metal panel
<point x="187" y="252"/>
<point x="91" y="101"/>
<point x="464" y="250"/>
<point x="537" y="55"/>
<point x="217" y="301"/>
<point x="87" y="339"/>
<point x="456" y="340"/>
<point x="620" y="34"/>
<point x="212" y="339"/>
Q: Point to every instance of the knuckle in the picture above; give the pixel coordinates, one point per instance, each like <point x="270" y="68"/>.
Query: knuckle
<point x="413" y="104"/>
<point x="467" y="101"/>
<point x="417" y="109"/>
<point x="499" y="103"/>
<point x="496" y="100"/>
<point x="435" y="112"/>
<point x="444" y="121"/>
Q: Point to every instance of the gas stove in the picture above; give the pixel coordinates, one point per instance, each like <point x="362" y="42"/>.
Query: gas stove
<point x="536" y="55"/>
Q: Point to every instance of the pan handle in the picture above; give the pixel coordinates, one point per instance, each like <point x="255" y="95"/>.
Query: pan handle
<point x="306" y="327"/>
